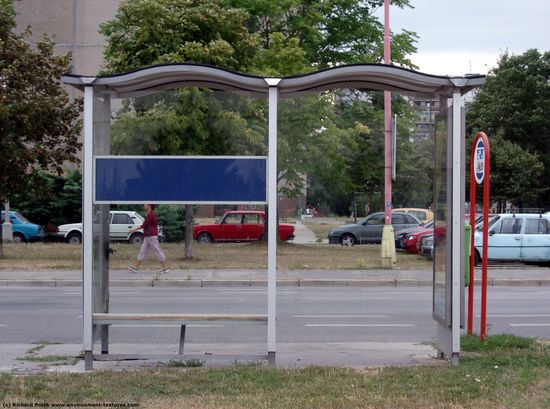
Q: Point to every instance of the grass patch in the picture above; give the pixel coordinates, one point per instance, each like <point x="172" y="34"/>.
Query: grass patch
<point x="290" y="256"/>
<point x="501" y="377"/>
<point x="472" y="343"/>
<point x="321" y="227"/>
<point x="190" y="363"/>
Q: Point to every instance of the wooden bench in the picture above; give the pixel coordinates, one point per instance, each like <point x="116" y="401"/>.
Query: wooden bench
<point x="106" y="319"/>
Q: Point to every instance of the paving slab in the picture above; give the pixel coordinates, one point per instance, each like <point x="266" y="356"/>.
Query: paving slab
<point x="288" y="355"/>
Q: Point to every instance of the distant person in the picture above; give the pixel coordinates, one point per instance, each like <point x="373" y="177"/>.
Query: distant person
<point x="150" y="240"/>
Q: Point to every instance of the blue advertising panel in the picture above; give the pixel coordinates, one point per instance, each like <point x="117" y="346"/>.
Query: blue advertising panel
<point x="180" y="179"/>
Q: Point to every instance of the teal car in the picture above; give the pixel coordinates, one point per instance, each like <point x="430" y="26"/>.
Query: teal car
<point x="516" y="237"/>
<point x="23" y="230"/>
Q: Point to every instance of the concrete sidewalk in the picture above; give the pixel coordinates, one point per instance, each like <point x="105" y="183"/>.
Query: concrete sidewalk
<point x="17" y="358"/>
<point x="519" y="276"/>
<point x="303" y="234"/>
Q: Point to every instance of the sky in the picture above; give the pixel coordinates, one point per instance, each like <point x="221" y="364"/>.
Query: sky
<point x="458" y="37"/>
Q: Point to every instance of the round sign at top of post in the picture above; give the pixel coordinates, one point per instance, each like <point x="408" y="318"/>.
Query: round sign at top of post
<point x="479" y="161"/>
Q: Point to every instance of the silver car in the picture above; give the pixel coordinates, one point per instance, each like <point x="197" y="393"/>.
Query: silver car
<point x="426" y="246"/>
<point x="370" y="229"/>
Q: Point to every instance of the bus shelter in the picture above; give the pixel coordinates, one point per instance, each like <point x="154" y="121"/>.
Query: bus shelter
<point x="110" y="179"/>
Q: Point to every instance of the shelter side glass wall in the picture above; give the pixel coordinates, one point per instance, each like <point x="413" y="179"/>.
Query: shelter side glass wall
<point x="442" y="234"/>
<point x="100" y="227"/>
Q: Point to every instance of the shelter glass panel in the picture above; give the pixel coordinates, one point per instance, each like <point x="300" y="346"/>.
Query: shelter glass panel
<point x="442" y="213"/>
<point x="185" y="122"/>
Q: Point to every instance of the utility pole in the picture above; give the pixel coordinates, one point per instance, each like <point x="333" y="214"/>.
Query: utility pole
<point x="388" y="243"/>
<point x="7" y="228"/>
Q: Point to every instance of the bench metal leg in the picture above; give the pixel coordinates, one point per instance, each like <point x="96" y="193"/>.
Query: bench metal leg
<point x="182" y="340"/>
<point x="271" y="359"/>
<point x="104" y="339"/>
<point x="88" y="361"/>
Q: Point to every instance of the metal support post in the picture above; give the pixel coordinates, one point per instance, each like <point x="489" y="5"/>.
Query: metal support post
<point x="457" y="246"/>
<point x="7" y="228"/>
<point x="87" y="226"/>
<point x="272" y="219"/>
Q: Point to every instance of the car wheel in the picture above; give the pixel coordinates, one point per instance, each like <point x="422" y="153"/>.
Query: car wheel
<point x="136" y="238"/>
<point x="348" y="240"/>
<point x="74" y="238"/>
<point x="477" y="258"/>
<point x="19" y="238"/>
<point x="204" y="238"/>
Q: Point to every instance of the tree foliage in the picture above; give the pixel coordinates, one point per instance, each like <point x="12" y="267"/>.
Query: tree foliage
<point x="515" y="173"/>
<point x="260" y="37"/>
<point x="514" y="103"/>
<point x="51" y="199"/>
<point x="146" y="32"/>
<point x="330" y="32"/>
<point x="39" y="127"/>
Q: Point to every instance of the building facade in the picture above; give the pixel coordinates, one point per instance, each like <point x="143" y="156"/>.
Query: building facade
<point x="426" y="108"/>
<point x="72" y="24"/>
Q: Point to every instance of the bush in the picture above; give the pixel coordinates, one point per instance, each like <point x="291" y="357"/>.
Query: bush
<point x="51" y="199"/>
<point x="172" y="220"/>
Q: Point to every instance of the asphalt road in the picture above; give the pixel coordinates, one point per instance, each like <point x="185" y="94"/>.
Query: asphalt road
<point x="337" y="314"/>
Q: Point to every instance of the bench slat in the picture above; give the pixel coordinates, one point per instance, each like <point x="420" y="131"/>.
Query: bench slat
<point x="111" y="317"/>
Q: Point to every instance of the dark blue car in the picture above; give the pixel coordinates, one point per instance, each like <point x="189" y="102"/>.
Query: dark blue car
<point x="23" y="230"/>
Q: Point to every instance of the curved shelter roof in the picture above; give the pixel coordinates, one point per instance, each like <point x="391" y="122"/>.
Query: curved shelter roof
<point x="366" y="76"/>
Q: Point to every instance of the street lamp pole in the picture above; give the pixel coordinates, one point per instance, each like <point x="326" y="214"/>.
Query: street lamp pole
<point x="388" y="244"/>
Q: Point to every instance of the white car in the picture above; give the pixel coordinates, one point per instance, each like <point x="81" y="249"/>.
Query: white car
<point x="517" y="237"/>
<point x="120" y="224"/>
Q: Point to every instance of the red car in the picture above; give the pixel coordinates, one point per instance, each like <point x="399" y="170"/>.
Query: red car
<point x="413" y="238"/>
<point x="239" y="225"/>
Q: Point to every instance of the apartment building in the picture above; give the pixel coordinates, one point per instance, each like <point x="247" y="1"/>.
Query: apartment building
<point x="72" y="24"/>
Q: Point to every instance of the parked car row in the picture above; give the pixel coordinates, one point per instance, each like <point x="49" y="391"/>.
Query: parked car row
<point x="521" y="237"/>
<point x="518" y="237"/>
<point x="120" y="224"/>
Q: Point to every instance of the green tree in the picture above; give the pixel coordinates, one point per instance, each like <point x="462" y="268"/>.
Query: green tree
<point x="325" y="34"/>
<point x="146" y="32"/>
<point x="51" y="199"/>
<point x="191" y="120"/>
<point x="331" y="32"/>
<point x="515" y="173"/>
<point x="514" y="103"/>
<point x="359" y="165"/>
<point x="282" y="38"/>
<point x="38" y="125"/>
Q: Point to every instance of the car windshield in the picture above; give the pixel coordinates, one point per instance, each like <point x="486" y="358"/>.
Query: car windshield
<point x="22" y="218"/>
<point x="492" y="220"/>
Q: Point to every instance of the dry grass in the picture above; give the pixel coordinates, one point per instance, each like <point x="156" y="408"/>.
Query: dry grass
<point x="321" y="226"/>
<point x="44" y="256"/>
<point x="504" y="376"/>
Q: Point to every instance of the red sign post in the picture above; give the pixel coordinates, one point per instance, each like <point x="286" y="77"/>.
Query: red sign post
<point x="479" y="173"/>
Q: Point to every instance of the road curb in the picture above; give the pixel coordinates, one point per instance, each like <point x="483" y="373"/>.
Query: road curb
<point x="200" y="283"/>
